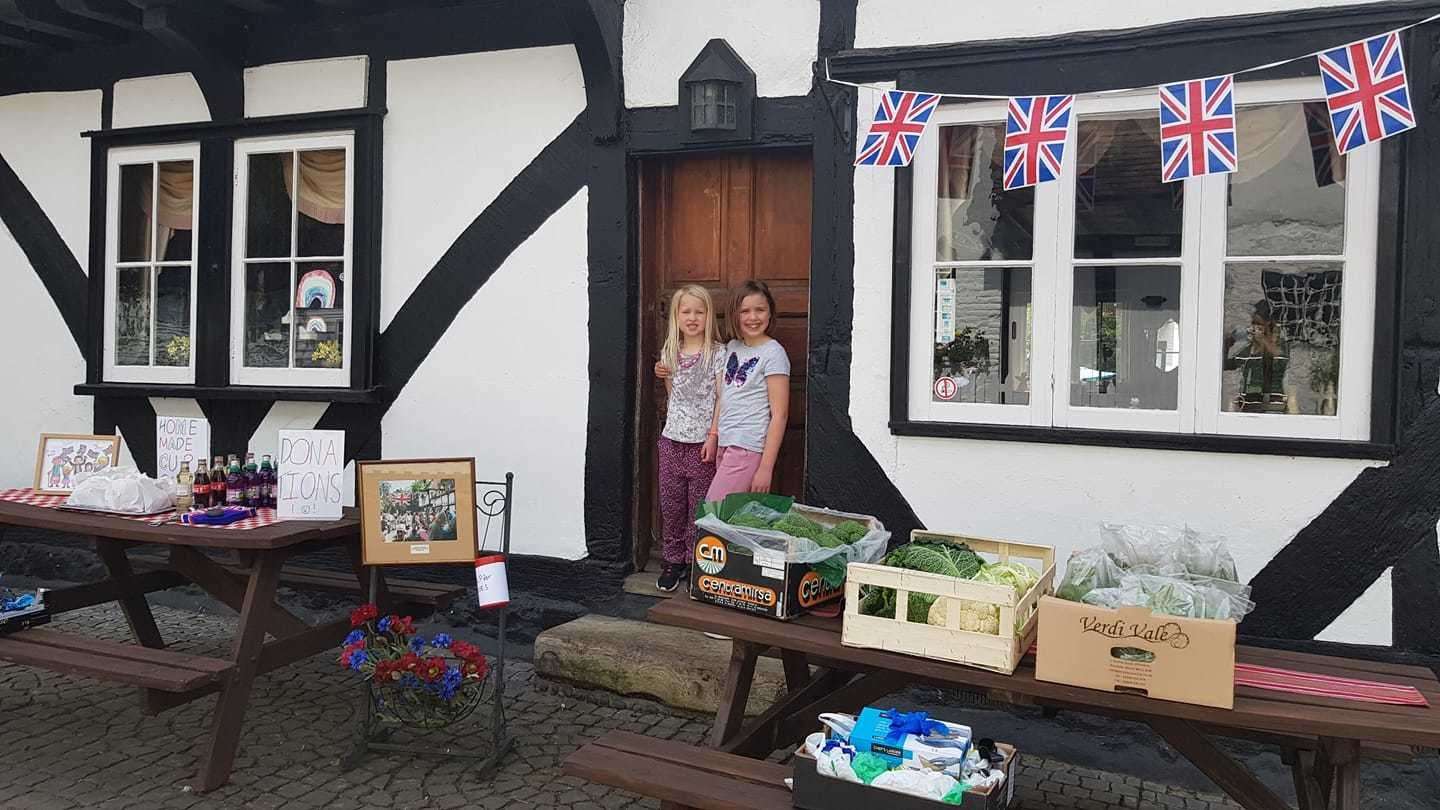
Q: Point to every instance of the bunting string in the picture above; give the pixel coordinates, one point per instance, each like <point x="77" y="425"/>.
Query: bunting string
<point x="1366" y="93"/>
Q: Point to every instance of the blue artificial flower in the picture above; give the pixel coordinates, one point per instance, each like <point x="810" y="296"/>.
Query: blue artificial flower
<point x="354" y="637"/>
<point x="450" y="683"/>
<point x="409" y="680"/>
<point x="384" y="625"/>
<point x="358" y="659"/>
<point x="441" y="641"/>
<point x="417" y="644"/>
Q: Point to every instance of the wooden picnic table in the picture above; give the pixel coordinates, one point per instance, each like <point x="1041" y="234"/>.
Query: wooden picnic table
<point x="1321" y="739"/>
<point x="168" y="678"/>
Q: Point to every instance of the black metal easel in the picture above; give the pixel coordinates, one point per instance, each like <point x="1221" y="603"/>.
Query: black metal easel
<point x="493" y="499"/>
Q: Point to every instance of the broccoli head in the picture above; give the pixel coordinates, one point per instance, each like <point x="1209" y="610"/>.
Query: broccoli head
<point x="849" y="531"/>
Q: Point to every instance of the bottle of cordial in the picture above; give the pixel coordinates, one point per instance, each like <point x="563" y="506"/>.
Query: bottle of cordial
<point x="217" y="482"/>
<point x="201" y="487"/>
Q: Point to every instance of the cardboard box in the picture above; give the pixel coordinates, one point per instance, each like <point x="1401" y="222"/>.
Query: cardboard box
<point x="756" y="582"/>
<point x="814" y="791"/>
<point x="1135" y="651"/>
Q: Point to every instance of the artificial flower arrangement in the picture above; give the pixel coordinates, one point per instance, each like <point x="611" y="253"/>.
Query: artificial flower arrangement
<point x="415" y="681"/>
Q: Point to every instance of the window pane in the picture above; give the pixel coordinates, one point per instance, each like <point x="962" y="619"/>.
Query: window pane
<point x="177" y="210"/>
<point x="135" y="231"/>
<point x="132" y="316"/>
<point x="975" y="220"/>
<point x="1125" y="338"/>
<point x="1288" y="196"/>
<point x="321" y="223"/>
<point x="1282" y="338"/>
<point x="267" y="212"/>
<point x="172" y="316"/>
<point x="267" y="315"/>
<point x="319" y="315"/>
<point x="1122" y="209"/>
<point x="982" y="336"/>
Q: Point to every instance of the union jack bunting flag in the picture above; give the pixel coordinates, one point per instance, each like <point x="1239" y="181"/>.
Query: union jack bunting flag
<point x="1035" y="131"/>
<point x="1366" y="91"/>
<point x="899" y="122"/>
<point x="1197" y="128"/>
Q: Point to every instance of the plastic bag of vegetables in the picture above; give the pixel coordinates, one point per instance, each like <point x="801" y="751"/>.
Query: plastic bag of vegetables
<point x="1088" y="570"/>
<point x="984" y="617"/>
<point x="799" y="534"/>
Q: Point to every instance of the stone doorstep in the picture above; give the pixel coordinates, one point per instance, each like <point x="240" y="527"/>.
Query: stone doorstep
<point x="642" y="583"/>
<point x="680" y="668"/>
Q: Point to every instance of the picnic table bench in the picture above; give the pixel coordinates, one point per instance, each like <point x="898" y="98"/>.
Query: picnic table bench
<point x="680" y="775"/>
<point x="168" y="678"/>
<point x="1322" y="739"/>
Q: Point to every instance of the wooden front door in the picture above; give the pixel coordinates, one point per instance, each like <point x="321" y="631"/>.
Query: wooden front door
<point x="719" y="220"/>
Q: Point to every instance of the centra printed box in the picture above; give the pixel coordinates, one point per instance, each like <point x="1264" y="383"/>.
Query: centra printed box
<point x="1134" y="651"/>
<point x="760" y="582"/>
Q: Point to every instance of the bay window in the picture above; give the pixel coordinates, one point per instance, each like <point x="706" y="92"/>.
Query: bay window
<point x="1238" y="304"/>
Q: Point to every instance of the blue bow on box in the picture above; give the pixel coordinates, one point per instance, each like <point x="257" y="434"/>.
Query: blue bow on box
<point x="917" y="723"/>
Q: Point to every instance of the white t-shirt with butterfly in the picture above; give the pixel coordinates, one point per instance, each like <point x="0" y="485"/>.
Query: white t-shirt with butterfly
<point x="744" y="397"/>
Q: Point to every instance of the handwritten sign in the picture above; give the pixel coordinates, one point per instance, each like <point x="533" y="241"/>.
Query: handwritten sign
<point x="492" y="587"/>
<point x="312" y="465"/>
<point x="180" y="440"/>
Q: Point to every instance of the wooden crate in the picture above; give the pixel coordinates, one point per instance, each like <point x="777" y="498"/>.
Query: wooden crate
<point x="1001" y="653"/>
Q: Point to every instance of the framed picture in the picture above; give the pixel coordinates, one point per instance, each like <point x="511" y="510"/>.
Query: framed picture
<point x="417" y="511"/>
<point x="66" y="459"/>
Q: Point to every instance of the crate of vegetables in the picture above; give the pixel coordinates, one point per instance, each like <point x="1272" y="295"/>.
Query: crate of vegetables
<point x="950" y="597"/>
<point x="767" y="554"/>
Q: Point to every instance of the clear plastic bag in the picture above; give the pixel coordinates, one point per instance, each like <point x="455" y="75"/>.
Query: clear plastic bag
<point x="1088" y="570"/>
<point x="1205" y="557"/>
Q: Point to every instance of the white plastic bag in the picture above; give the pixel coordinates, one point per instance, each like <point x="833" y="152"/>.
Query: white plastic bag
<point x="926" y="784"/>
<point x="123" y="489"/>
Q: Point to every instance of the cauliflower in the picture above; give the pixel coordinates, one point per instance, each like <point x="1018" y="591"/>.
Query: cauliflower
<point x="976" y="617"/>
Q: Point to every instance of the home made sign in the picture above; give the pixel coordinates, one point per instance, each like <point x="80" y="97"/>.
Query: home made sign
<point x="312" y="465"/>
<point x="180" y="440"/>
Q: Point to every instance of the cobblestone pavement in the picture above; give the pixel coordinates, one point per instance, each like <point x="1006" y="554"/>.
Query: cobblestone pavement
<point x="72" y="742"/>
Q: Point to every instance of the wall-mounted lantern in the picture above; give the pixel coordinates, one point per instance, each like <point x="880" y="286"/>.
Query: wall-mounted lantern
<point x="717" y="95"/>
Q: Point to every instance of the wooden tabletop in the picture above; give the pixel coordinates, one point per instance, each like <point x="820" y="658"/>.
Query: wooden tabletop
<point x="276" y="535"/>
<point x="1255" y="709"/>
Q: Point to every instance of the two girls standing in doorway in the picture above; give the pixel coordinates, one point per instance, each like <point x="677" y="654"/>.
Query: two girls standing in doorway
<point x="727" y="411"/>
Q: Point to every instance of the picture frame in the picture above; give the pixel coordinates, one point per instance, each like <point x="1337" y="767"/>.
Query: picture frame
<point x="64" y="459"/>
<point x="416" y="511"/>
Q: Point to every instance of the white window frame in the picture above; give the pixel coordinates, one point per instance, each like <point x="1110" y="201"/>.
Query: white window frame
<point x="241" y="374"/>
<point x="151" y="155"/>
<point x="1202" y="262"/>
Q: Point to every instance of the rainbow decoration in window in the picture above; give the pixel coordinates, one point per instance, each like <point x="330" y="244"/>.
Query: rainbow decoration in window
<point x="315" y="290"/>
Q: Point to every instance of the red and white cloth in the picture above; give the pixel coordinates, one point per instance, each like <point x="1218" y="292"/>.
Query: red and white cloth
<point x="263" y="517"/>
<point x="1333" y="686"/>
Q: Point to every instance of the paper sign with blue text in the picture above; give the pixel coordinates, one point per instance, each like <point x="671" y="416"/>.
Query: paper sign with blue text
<point x="312" y="467"/>
<point x="180" y="440"/>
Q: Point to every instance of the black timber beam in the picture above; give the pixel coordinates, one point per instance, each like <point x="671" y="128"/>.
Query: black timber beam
<point x="22" y="39"/>
<point x="208" y="46"/>
<point x="118" y="13"/>
<point x="43" y="16"/>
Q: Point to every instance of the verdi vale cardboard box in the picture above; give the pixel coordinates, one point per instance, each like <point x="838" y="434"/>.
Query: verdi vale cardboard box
<point x="759" y="574"/>
<point x="1135" y="651"/>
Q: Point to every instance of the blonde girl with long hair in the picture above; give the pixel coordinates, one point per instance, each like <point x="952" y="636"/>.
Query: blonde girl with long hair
<point x="690" y="363"/>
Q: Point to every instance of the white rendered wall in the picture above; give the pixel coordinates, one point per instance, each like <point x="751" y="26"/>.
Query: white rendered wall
<point x="1059" y="494"/>
<point x="882" y="23"/>
<point x="459" y="129"/>
<point x="302" y="87"/>
<point x="509" y="385"/>
<point x="40" y="139"/>
<point x="174" y="98"/>
<point x="776" y="38"/>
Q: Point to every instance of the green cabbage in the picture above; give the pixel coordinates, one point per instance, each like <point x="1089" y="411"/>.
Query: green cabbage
<point x="951" y="559"/>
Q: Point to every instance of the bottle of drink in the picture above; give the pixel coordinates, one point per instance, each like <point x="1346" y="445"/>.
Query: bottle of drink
<point x="184" y="493"/>
<point x="252" y="482"/>
<point x="234" y="483"/>
<point x="267" y="482"/>
<point x="201" y="487"/>
<point x="217" y="482"/>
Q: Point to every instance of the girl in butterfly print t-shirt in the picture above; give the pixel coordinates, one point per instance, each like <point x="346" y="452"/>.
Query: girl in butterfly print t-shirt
<point x="754" y="397"/>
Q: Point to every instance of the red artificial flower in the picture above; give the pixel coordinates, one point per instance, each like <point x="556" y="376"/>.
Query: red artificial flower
<point x="387" y="670"/>
<point x="474" y="669"/>
<point x="363" y="614"/>
<point x="432" y="669"/>
<point x="409" y="662"/>
<point x="466" y="651"/>
<point x="404" y="626"/>
<point x="345" y="657"/>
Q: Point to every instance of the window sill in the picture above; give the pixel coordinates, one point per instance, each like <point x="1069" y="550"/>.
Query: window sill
<point x="358" y="396"/>
<point x="1264" y="446"/>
